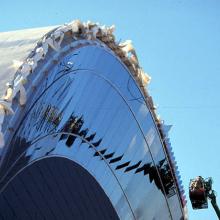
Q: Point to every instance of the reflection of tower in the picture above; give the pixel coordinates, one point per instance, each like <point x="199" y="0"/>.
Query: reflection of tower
<point x="82" y="145"/>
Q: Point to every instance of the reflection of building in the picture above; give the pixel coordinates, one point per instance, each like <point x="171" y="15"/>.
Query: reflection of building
<point x="85" y="145"/>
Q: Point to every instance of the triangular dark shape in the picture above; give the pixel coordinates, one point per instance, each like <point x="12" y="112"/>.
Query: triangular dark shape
<point x="122" y="165"/>
<point x="133" y="167"/>
<point x="116" y="159"/>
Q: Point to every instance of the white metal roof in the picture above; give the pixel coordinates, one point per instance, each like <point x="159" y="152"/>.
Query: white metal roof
<point x="16" y="46"/>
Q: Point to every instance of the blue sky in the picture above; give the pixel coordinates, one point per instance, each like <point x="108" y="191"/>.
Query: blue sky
<point x="178" y="43"/>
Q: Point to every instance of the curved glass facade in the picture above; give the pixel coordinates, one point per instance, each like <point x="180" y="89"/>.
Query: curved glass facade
<point x="90" y="110"/>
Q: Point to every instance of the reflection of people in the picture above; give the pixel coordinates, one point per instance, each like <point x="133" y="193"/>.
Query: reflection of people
<point x="165" y="175"/>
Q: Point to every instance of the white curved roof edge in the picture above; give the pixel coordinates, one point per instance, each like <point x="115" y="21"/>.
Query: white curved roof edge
<point x="15" y="46"/>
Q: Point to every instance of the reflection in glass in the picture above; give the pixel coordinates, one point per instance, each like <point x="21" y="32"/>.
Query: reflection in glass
<point x="96" y="116"/>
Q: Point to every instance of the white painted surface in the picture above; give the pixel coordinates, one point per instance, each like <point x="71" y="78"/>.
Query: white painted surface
<point x="16" y="46"/>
